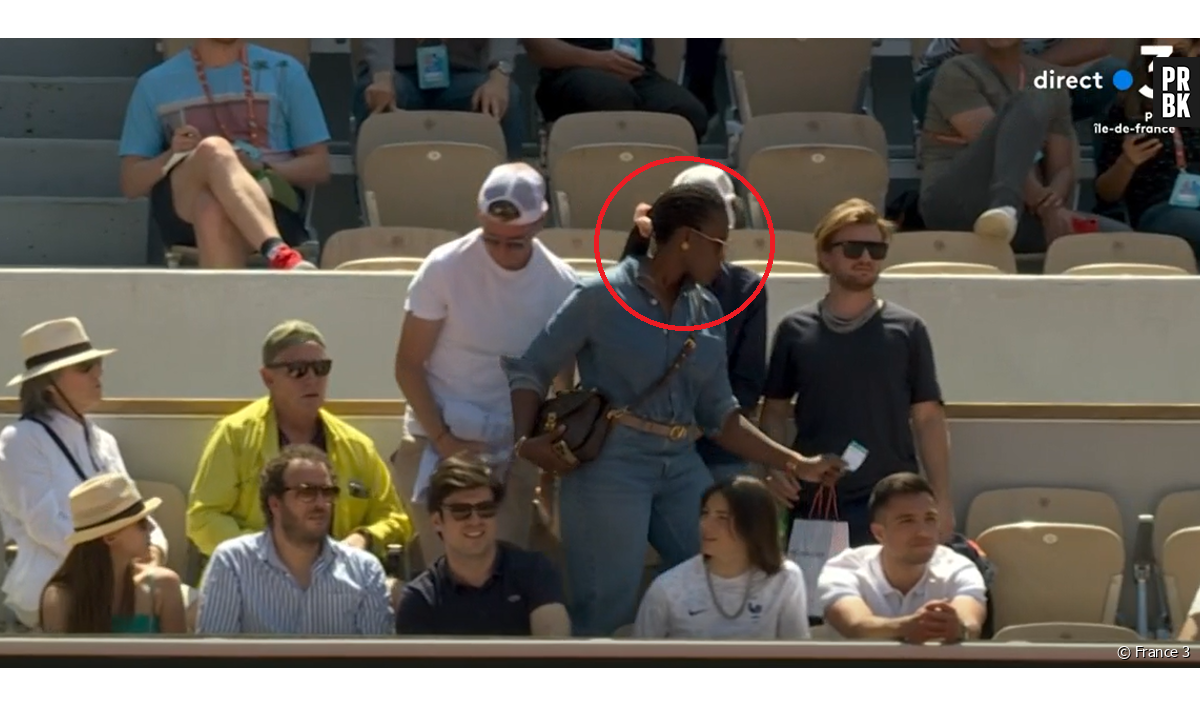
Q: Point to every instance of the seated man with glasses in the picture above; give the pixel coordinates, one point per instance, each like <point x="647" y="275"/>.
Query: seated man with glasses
<point x="480" y="586"/>
<point x="224" y="498"/>
<point x="292" y="578"/>
<point x="474" y="300"/>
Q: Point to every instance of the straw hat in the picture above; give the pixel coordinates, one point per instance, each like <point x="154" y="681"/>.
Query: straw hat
<point x="55" y="345"/>
<point x="105" y="504"/>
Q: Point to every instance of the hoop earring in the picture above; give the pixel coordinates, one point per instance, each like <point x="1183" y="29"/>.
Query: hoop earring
<point x="684" y="246"/>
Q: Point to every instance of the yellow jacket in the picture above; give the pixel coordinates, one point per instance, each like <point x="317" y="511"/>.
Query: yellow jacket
<point x="224" y="504"/>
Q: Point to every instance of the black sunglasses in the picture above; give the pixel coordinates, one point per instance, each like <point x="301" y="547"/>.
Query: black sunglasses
<point x="853" y="249"/>
<point x="299" y="370"/>
<point x="463" y="511"/>
<point x="309" y="493"/>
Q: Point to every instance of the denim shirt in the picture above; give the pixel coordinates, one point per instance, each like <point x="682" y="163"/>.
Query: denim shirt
<point x="621" y="357"/>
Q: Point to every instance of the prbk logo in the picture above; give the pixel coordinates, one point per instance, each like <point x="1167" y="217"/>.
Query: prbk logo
<point x="1170" y="98"/>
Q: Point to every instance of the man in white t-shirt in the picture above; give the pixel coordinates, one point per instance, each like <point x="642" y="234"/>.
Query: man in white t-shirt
<point x="473" y="300"/>
<point x="909" y="586"/>
<point x="1191" y="628"/>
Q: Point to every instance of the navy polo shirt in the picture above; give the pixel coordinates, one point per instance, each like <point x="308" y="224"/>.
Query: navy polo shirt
<point x="436" y="604"/>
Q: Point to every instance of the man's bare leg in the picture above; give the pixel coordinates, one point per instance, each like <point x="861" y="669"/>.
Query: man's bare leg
<point x="221" y="245"/>
<point x="214" y="170"/>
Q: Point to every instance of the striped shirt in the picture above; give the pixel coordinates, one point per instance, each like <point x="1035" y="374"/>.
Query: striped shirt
<point x="941" y="50"/>
<point x="247" y="590"/>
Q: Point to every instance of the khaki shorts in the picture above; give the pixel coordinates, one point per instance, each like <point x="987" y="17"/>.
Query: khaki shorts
<point x="514" y="522"/>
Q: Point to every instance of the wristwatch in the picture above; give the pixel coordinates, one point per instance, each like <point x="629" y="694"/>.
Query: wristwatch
<point x="504" y="67"/>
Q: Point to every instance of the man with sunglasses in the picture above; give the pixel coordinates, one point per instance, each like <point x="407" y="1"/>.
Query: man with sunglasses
<point x="481" y="586"/>
<point x="474" y="300"/>
<point x="224" y="495"/>
<point x="860" y="370"/>
<point x="292" y="578"/>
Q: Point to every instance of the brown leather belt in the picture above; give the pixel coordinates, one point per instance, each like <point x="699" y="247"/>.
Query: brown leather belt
<point x="674" y="432"/>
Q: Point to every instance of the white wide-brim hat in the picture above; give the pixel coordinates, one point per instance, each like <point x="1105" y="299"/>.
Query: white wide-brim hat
<point x="104" y="505"/>
<point x="55" y="345"/>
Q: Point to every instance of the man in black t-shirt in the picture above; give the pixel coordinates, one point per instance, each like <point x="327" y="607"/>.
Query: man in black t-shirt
<point x="586" y="75"/>
<point x="860" y="370"/>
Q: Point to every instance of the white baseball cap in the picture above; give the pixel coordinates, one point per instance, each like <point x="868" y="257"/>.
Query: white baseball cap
<point x="715" y="177"/>
<point x="514" y="193"/>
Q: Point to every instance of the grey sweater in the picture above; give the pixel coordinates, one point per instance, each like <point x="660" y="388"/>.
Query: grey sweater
<point x="465" y="54"/>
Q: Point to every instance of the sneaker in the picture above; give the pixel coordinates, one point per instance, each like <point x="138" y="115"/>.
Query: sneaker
<point x="287" y="258"/>
<point x="998" y="223"/>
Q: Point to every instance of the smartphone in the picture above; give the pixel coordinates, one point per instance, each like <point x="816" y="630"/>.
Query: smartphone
<point x="1084" y="225"/>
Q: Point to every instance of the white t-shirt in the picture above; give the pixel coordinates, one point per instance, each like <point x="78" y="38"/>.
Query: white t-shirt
<point x="857" y="572"/>
<point x="489" y="312"/>
<point x="679" y="605"/>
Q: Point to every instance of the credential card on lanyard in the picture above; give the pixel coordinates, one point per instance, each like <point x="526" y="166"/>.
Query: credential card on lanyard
<point x="433" y="67"/>
<point x="854" y="456"/>
<point x="629" y="47"/>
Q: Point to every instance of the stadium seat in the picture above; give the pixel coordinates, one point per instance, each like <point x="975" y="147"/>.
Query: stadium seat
<point x="942" y="246"/>
<point x="767" y="79"/>
<point x="588" y="266"/>
<point x="942" y="268"/>
<point x="836" y="157"/>
<point x="1126" y="270"/>
<point x="779" y="266"/>
<point x="381" y="264"/>
<point x="580" y="243"/>
<point x="589" y="154"/>
<point x="371" y="243"/>
<point x="669" y="55"/>
<point x="1058" y="505"/>
<point x="171" y="517"/>
<point x="1181" y="572"/>
<point x="423" y="169"/>
<point x="1054" y="573"/>
<point x="301" y="49"/>
<point x="1058" y="632"/>
<point x="756" y="245"/>
<point x="1125" y="248"/>
<point x="1176" y="511"/>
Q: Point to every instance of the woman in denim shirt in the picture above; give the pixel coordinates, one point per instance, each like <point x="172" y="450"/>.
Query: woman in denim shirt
<point x="643" y="485"/>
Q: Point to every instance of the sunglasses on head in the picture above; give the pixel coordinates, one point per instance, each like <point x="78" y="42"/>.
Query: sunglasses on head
<point x="299" y="370"/>
<point x="462" y="511"/>
<point x="853" y="249"/>
<point x="309" y="493"/>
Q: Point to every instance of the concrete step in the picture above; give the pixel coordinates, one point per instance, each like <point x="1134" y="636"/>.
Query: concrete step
<point x="77" y="57"/>
<point x="59" y="168"/>
<point x="71" y="108"/>
<point x="73" y="232"/>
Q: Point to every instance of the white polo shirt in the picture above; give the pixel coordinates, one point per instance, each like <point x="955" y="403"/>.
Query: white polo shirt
<point x="857" y="572"/>
<point x="679" y="605"/>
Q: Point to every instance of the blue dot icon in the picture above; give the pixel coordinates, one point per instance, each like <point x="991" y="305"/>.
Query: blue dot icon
<point x="1122" y="80"/>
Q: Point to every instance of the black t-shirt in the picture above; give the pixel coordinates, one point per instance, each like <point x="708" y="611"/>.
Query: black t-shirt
<point x="435" y="604"/>
<point x="607" y="44"/>
<point x="1153" y="181"/>
<point x="856" y="386"/>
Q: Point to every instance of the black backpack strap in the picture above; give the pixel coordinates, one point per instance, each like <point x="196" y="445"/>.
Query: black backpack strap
<point x="61" y="446"/>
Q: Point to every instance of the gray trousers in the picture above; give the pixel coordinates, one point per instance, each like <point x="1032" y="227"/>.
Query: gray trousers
<point x="990" y="173"/>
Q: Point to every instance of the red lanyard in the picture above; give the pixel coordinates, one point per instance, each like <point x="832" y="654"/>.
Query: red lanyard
<point x="1180" y="158"/>
<point x="247" y="86"/>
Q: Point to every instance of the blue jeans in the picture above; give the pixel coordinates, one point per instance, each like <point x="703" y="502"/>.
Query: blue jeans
<point x="1172" y="220"/>
<point x="456" y="96"/>
<point x="608" y="509"/>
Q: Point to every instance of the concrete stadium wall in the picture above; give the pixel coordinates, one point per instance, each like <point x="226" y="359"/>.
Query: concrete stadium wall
<point x="191" y="334"/>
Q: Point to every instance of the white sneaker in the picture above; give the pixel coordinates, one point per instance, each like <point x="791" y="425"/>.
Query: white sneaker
<point x="998" y="223"/>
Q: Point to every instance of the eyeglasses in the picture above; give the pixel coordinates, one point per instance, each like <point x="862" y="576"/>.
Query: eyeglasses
<point x="508" y="243"/>
<point x="720" y="243"/>
<point x="462" y="511"/>
<point x="299" y="370"/>
<point x="87" y="366"/>
<point x="853" y="249"/>
<point x="309" y="493"/>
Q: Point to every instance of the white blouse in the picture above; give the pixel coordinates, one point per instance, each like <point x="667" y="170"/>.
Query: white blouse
<point x="35" y="481"/>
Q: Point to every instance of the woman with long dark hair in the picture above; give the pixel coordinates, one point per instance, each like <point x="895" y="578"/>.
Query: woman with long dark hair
<point x="740" y="586"/>
<point x="104" y="586"/>
<point x="1153" y="171"/>
<point x="664" y="388"/>
<point x="746" y="334"/>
